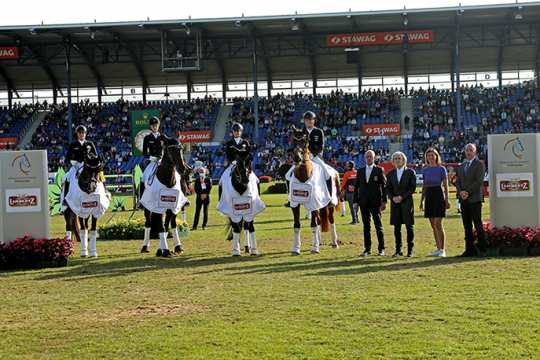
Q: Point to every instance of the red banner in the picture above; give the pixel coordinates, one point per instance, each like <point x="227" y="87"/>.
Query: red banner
<point x="9" y="52"/>
<point x="382" y="130"/>
<point x="195" y="136"/>
<point x="379" y="38"/>
<point x="7" y="141"/>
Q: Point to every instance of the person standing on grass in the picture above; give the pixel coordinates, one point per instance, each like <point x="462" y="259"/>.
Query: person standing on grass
<point x="347" y="189"/>
<point x="435" y="199"/>
<point x="370" y="195"/>
<point x="469" y="182"/>
<point x="400" y="187"/>
<point x="203" y="187"/>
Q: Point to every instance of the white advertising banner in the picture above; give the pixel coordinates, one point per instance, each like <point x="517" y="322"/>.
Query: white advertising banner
<point x="23" y="200"/>
<point x="515" y="185"/>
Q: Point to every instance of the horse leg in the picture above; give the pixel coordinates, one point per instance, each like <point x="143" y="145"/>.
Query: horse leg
<point x="236" y="229"/>
<point x="84" y="236"/>
<point x="247" y="245"/>
<point x="252" y="239"/>
<point x="178" y="249"/>
<point x="184" y="214"/>
<point x="315" y="232"/>
<point x="333" y="229"/>
<point x="93" y="238"/>
<point x="296" y="241"/>
<point x="157" y="224"/>
<point x="147" y="229"/>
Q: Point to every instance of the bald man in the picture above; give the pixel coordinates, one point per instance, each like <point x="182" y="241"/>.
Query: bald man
<point x="469" y="183"/>
<point x="370" y="195"/>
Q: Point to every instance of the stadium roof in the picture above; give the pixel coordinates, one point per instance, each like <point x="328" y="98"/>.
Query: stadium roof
<point x="492" y="37"/>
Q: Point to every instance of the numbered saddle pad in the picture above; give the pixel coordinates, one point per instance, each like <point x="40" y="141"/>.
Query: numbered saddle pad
<point x="168" y="198"/>
<point x="89" y="203"/>
<point x="242" y="205"/>
<point x="301" y="192"/>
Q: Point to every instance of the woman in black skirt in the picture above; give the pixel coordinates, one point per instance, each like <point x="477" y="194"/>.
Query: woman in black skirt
<point x="435" y="195"/>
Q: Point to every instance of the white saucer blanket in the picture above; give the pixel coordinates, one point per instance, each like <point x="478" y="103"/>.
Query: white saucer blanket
<point x="83" y="204"/>
<point x="313" y="194"/>
<point x="239" y="207"/>
<point x="158" y="198"/>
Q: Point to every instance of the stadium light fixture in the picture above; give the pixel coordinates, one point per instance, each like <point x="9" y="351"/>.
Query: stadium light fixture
<point x="33" y="31"/>
<point x="92" y="35"/>
<point x="518" y="15"/>
<point x="405" y="19"/>
<point x="238" y="23"/>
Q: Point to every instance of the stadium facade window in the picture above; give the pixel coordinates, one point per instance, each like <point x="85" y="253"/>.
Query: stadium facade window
<point x="302" y="85"/>
<point x="370" y="81"/>
<point x="348" y="82"/>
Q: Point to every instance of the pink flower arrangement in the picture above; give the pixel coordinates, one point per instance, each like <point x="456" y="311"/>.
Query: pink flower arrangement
<point x="28" y="252"/>
<point x="521" y="237"/>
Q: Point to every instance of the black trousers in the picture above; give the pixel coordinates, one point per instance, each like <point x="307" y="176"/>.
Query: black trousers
<point x="471" y="214"/>
<point x="367" y="213"/>
<point x="410" y="237"/>
<point x="198" y="204"/>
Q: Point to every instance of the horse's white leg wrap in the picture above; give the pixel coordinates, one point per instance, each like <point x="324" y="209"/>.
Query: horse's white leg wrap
<point x="163" y="241"/>
<point x="334" y="234"/>
<point x="253" y="242"/>
<point x="146" y="241"/>
<point x="84" y="242"/>
<point x="184" y="216"/>
<point x="343" y="209"/>
<point x="176" y="237"/>
<point x="316" y="239"/>
<point x="93" y="243"/>
<point x="246" y="238"/>
<point x="296" y="242"/>
<point x="236" y="244"/>
<point x="68" y="235"/>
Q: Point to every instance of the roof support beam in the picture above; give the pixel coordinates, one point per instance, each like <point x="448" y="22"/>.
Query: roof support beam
<point x="310" y="54"/>
<point x="89" y="60"/>
<point x="216" y="50"/>
<point x="9" y="82"/>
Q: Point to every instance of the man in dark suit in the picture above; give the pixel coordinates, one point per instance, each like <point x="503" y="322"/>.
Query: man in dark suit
<point x="401" y="185"/>
<point x="370" y="195"/>
<point x="469" y="183"/>
<point x="203" y="187"/>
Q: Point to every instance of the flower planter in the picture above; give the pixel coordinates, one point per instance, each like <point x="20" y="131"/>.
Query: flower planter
<point x="534" y="251"/>
<point x="493" y="252"/>
<point x="510" y="251"/>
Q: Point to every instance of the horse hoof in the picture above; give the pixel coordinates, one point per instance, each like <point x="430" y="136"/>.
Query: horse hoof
<point x="83" y="256"/>
<point x="166" y="253"/>
<point x="254" y="254"/>
<point x="295" y="253"/>
<point x="246" y="249"/>
<point x="335" y="246"/>
<point x="314" y="252"/>
<point x="235" y="255"/>
<point x="144" y="249"/>
<point x="178" y="250"/>
<point x="159" y="253"/>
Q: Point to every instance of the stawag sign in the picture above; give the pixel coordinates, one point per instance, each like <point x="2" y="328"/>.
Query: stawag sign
<point x="381" y="129"/>
<point x="379" y="38"/>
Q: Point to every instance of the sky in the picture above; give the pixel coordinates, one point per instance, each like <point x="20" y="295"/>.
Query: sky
<point x="31" y="12"/>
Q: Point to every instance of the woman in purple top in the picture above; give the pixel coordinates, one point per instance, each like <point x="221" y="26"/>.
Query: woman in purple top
<point x="435" y="194"/>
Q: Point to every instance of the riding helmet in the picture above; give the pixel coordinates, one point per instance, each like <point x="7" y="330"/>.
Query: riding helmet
<point x="309" y="115"/>
<point x="81" y="128"/>
<point x="237" y="126"/>
<point x="154" y="120"/>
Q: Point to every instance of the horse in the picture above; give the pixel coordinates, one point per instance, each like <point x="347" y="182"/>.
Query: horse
<point x="240" y="201"/>
<point x="164" y="193"/>
<point x="316" y="188"/>
<point x="85" y="198"/>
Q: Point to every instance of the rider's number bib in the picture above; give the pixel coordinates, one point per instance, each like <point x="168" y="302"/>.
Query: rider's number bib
<point x="300" y="193"/>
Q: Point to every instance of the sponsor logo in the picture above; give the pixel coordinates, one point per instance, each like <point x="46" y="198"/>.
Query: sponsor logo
<point x="89" y="204"/>
<point x="516" y="147"/>
<point x="245" y="206"/>
<point x="382" y="130"/>
<point x="515" y="185"/>
<point x="22" y="164"/>
<point x="10" y="52"/>
<point x="168" y="198"/>
<point x="194" y="136"/>
<point x="20" y="201"/>
<point x="300" y="193"/>
<point x="380" y="38"/>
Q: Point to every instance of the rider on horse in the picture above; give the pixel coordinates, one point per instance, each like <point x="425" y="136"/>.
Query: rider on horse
<point x="153" y="145"/>
<point x="237" y="143"/>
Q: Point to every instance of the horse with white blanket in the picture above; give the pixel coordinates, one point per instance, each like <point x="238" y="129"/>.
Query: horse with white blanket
<point x="314" y="185"/>
<point x="239" y="200"/>
<point x="85" y="197"/>
<point x="164" y="194"/>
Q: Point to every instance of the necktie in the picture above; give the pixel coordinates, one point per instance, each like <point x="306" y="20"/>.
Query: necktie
<point x="467" y="165"/>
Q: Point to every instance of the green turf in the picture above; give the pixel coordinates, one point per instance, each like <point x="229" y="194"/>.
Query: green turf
<point x="207" y="305"/>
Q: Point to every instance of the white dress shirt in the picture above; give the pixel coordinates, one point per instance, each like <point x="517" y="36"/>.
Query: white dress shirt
<point x="399" y="173"/>
<point x="369" y="169"/>
<point x="237" y="140"/>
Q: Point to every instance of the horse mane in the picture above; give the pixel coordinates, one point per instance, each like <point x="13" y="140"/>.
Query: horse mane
<point x="166" y="169"/>
<point x="88" y="179"/>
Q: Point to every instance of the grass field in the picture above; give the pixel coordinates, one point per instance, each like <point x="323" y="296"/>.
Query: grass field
<point x="207" y="305"/>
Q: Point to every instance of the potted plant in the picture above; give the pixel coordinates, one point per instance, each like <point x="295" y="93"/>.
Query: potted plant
<point x="534" y="245"/>
<point x="493" y="240"/>
<point x="515" y="241"/>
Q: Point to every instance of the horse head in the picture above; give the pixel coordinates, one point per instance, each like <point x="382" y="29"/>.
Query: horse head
<point x="89" y="176"/>
<point x="300" y="145"/>
<point x="241" y="171"/>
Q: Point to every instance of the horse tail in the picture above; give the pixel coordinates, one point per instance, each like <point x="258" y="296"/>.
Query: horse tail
<point x="325" y="220"/>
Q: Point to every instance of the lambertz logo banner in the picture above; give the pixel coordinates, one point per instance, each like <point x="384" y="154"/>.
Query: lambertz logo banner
<point x="379" y="38"/>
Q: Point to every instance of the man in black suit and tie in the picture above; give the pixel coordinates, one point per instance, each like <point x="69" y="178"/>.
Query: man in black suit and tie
<point x="400" y="186"/>
<point x="203" y="187"/>
<point x="371" y="198"/>
<point x="469" y="183"/>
